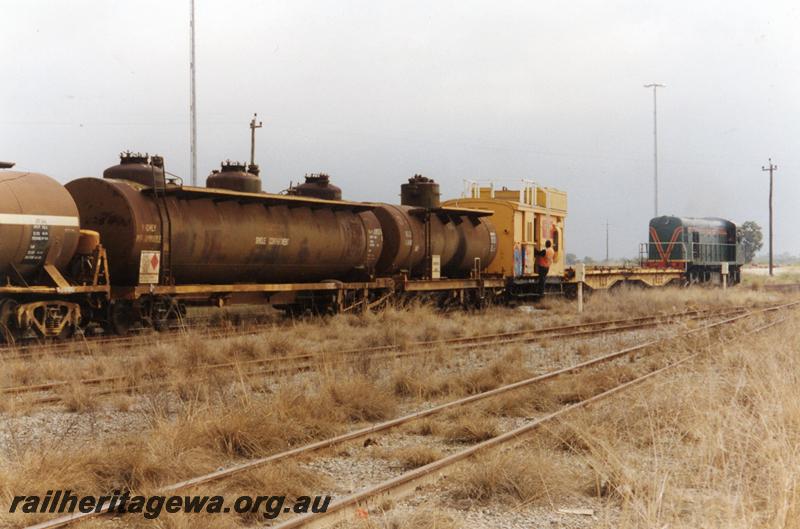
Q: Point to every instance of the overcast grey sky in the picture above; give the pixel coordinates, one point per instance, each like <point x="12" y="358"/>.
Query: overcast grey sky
<point x="372" y="92"/>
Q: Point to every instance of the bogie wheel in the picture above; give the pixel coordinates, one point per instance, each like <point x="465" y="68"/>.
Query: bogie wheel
<point x="8" y="326"/>
<point x="120" y="318"/>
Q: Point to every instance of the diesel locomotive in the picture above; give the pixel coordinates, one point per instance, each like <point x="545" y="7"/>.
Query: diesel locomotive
<point x="702" y="248"/>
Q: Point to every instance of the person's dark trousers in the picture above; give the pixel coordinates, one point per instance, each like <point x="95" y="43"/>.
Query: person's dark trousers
<point x="542" y="278"/>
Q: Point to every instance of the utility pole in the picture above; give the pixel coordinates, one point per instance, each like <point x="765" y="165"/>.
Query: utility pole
<point x="771" y="169"/>
<point x="606" y="241"/>
<point x="655" y="86"/>
<point x="253" y="127"/>
<point x="193" y="102"/>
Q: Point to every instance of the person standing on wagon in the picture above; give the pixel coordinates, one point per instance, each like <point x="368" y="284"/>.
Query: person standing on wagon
<point x="544" y="259"/>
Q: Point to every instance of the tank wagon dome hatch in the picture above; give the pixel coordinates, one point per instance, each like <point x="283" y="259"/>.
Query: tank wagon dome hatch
<point x="235" y="176"/>
<point x="420" y="191"/>
<point x="140" y="168"/>
<point x="317" y="185"/>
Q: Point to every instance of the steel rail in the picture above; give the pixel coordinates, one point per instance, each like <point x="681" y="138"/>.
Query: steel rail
<point x="781" y="287"/>
<point x="81" y="344"/>
<point x="543" y="333"/>
<point x="310" y="362"/>
<point x="363" y="432"/>
<point x="312" y="359"/>
<point x="411" y="480"/>
<point x="305" y="362"/>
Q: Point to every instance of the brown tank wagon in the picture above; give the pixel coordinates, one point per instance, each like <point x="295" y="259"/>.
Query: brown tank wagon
<point x="420" y="229"/>
<point x="457" y="236"/>
<point x="185" y="235"/>
<point x="47" y="285"/>
<point x="39" y="224"/>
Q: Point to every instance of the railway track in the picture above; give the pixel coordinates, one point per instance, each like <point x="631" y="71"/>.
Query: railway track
<point x="244" y="325"/>
<point x="782" y="287"/>
<point x="200" y="326"/>
<point x="399" y="486"/>
<point x="308" y="361"/>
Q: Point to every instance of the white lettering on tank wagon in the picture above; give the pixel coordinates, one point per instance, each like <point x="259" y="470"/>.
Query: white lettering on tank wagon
<point x="375" y="237"/>
<point x="39" y="242"/>
<point x="409" y="238"/>
<point x="272" y="241"/>
<point x="30" y="220"/>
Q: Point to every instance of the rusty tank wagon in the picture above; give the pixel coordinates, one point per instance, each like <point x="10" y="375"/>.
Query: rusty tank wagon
<point x="53" y="275"/>
<point x="419" y="230"/>
<point x="185" y="235"/>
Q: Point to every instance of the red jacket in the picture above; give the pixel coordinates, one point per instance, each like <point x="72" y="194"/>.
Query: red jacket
<point x="545" y="257"/>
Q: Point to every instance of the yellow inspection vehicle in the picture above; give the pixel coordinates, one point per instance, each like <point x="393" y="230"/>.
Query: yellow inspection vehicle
<point x="525" y="217"/>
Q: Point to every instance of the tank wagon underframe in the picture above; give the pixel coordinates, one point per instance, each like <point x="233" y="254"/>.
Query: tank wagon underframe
<point x="56" y="311"/>
<point x="157" y="305"/>
<point x="332" y="294"/>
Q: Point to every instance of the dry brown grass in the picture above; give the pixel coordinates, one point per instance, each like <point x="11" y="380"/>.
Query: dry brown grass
<point x="191" y="438"/>
<point x="358" y="398"/>
<point x="518" y="403"/>
<point x="630" y="302"/>
<point x="522" y="476"/>
<point x="425" y="427"/>
<point x="420" y="518"/>
<point x="717" y="445"/>
<point x="568" y="389"/>
<point x="77" y="397"/>
<point x="469" y="426"/>
<point x="415" y="456"/>
<point x="392" y="326"/>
